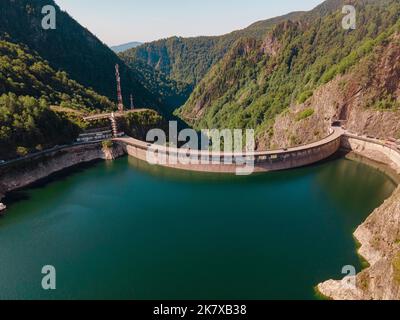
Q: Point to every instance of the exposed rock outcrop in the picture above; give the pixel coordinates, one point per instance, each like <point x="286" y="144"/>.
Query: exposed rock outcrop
<point x="379" y="237"/>
<point x="367" y="100"/>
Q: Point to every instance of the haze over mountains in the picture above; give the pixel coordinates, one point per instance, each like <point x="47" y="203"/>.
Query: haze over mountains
<point x="125" y="46"/>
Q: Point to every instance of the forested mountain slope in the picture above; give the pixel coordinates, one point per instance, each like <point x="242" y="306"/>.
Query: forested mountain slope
<point x="187" y="60"/>
<point x="366" y="99"/>
<point x="29" y="86"/>
<point x="70" y="48"/>
<point x="25" y="73"/>
<point x="259" y="79"/>
<point x="47" y="76"/>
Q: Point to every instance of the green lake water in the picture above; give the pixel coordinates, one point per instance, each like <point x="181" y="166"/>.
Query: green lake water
<point x="124" y="230"/>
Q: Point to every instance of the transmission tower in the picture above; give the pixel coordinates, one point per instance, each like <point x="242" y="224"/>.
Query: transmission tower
<point x="120" y="101"/>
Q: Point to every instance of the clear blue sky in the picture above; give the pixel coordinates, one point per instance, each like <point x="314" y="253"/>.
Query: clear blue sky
<point x="121" y="21"/>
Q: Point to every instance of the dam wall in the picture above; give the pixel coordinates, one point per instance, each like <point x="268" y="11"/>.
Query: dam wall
<point x="379" y="151"/>
<point x="263" y="161"/>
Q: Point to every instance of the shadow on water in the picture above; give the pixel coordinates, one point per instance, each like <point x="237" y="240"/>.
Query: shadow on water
<point x="199" y="177"/>
<point x="352" y="172"/>
<point x="24" y="194"/>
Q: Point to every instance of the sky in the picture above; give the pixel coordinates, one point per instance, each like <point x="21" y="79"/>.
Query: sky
<point x="121" y="21"/>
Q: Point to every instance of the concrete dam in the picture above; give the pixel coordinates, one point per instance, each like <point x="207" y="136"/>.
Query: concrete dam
<point x="263" y="161"/>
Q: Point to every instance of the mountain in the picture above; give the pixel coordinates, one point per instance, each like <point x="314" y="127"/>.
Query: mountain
<point x="260" y="79"/>
<point x="24" y="73"/>
<point x="187" y="60"/>
<point x="71" y="48"/>
<point x="173" y="93"/>
<point x="125" y="46"/>
<point x="49" y="79"/>
<point x="366" y="99"/>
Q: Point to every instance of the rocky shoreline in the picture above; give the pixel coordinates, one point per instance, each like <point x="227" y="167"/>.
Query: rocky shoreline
<point x="26" y="172"/>
<point x="379" y="237"/>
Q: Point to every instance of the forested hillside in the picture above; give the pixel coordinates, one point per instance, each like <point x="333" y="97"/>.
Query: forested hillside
<point x="29" y="86"/>
<point x="47" y="76"/>
<point x="259" y="79"/>
<point x="187" y="60"/>
<point x="28" y="124"/>
<point x="173" y="93"/>
<point x="71" y="48"/>
<point x="125" y="46"/>
<point x="366" y="99"/>
<point x="25" y="73"/>
<point x="268" y="76"/>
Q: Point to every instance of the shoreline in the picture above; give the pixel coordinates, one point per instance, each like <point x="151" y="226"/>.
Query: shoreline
<point x="379" y="273"/>
<point x="378" y="237"/>
<point x="27" y="172"/>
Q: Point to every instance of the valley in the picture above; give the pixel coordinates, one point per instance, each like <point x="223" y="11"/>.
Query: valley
<point x="311" y="91"/>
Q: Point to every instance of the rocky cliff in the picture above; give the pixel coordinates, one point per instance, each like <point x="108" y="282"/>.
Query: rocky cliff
<point x="366" y="100"/>
<point x="379" y="237"/>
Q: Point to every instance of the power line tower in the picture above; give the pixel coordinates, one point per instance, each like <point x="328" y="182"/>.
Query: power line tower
<point x="120" y="101"/>
<point x="132" y="106"/>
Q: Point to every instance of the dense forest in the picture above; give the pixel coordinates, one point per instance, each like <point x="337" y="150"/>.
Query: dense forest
<point x="49" y="79"/>
<point x="187" y="60"/>
<point x="28" y="124"/>
<point x="29" y="86"/>
<point x="71" y="48"/>
<point x="24" y="72"/>
<point x="259" y="79"/>
<point x="173" y="93"/>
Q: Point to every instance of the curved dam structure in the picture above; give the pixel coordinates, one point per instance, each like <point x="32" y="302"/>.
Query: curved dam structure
<point x="263" y="161"/>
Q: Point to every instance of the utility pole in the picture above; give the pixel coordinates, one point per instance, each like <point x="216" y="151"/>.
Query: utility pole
<point x="132" y="106"/>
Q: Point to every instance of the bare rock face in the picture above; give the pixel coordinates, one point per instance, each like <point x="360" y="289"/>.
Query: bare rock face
<point x="380" y="239"/>
<point x="112" y="153"/>
<point x="290" y="129"/>
<point x="270" y="45"/>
